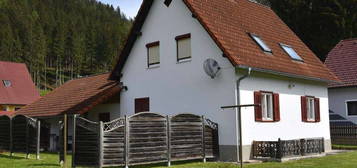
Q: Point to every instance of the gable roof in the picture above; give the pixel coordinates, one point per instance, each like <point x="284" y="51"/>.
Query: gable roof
<point x="228" y="22"/>
<point x="22" y="90"/>
<point x="76" y="96"/>
<point x="342" y="61"/>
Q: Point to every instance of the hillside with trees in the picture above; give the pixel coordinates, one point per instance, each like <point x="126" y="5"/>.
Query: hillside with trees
<point x="61" y="39"/>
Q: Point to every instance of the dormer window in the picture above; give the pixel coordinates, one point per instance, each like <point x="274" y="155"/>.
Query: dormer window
<point x="291" y="52"/>
<point x="261" y="43"/>
<point x="153" y="50"/>
<point x="6" y="83"/>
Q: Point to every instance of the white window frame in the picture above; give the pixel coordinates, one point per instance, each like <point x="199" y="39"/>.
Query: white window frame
<point x="285" y="47"/>
<point x="149" y="47"/>
<point x="346" y="104"/>
<point x="179" y="40"/>
<point x="267" y="104"/>
<point x="310" y="108"/>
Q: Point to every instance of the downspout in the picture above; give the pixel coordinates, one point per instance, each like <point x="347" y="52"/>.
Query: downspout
<point x="239" y="118"/>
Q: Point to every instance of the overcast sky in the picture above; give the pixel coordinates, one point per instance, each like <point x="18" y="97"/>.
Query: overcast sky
<point x="129" y="7"/>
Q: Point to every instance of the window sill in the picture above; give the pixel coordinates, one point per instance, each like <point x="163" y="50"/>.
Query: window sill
<point x="183" y="60"/>
<point x="267" y="121"/>
<point x="154" y="66"/>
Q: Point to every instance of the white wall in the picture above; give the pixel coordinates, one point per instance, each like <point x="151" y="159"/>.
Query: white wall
<point x="179" y="87"/>
<point x="291" y="125"/>
<point x="338" y="98"/>
<point x="112" y="108"/>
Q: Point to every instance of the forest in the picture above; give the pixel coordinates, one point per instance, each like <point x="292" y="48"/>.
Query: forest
<point x="61" y="40"/>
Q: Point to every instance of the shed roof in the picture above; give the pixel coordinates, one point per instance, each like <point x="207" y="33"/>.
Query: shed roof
<point x="76" y="96"/>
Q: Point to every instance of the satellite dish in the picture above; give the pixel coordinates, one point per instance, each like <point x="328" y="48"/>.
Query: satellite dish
<point x="211" y="67"/>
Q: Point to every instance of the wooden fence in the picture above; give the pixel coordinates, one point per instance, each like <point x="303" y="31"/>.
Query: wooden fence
<point x="343" y="134"/>
<point x="20" y="134"/>
<point x="144" y="138"/>
<point x="287" y="148"/>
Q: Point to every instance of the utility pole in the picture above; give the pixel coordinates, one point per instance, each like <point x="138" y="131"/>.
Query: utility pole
<point x="239" y="128"/>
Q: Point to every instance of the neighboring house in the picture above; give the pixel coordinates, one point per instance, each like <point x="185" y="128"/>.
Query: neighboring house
<point x="342" y="61"/>
<point x="16" y="87"/>
<point x="88" y="96"/>
<point x="162" y="67"/>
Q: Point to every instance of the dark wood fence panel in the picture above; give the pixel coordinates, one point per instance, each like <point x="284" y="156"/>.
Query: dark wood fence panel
<point x="343" y="134"/>
<point x="144" y="138"/>
<point x="4" y="133"/>
<point x="114" y="143"/>
<point x="287" y="148"/>
<point x="147" y="138"/>
<point x="186" y="137"/>
<point x="19" y="134"/>
<point x="87" y="143"/>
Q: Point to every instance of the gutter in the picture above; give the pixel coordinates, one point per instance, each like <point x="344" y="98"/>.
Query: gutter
<point x="239" y="117"/>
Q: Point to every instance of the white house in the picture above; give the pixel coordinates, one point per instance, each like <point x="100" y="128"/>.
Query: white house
<point x="342" y="61"/>
<point x="262" y="61"/>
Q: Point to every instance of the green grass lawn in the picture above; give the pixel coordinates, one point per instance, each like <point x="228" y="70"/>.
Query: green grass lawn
<point x="344" y="160"/>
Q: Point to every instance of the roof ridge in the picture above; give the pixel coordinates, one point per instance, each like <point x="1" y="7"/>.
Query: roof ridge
<point x="21" y="63"/>
<point x="349" y="39"/>
<point x="90" y="76"/>
<point x="260" y="4"/>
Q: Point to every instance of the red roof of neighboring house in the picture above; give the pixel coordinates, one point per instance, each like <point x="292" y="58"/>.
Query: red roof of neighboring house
<point x="75" y="96"/>
<point x="22" y="90"/>
<point x="229" y="23"/>
<point x="342" y="61"/>
<point x="7" y="113"/>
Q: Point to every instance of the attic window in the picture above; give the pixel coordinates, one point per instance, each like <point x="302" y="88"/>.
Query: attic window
<point x="6" y="83"/>
<point x="261" y="43"/>
<point x="291" y="52"/>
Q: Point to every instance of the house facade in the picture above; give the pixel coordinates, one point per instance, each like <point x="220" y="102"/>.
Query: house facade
<point x="261" y="62"/>
<point x="16" y="87"/>
<point x="342" y="61"/>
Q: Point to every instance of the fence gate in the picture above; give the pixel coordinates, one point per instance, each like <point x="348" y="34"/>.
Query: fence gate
<point x="5" y="133"/>
<point x="144" y="138"/>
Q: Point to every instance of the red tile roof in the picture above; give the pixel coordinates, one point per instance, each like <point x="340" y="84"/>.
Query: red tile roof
<point x="22" y="90"/>
<point x="7" y="113"/>
<point x="342" y="61"/>
<point x="228" y="22"/>
<point x="75" y="96"/>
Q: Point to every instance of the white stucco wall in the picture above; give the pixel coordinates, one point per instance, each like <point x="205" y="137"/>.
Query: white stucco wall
<point x="185" y="88"/>
<point x="112" y="108"/>
<point x="290" y="126"/>
<point x="338" y="98"/>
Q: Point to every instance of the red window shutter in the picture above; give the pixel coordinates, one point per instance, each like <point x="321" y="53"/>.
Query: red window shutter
<point x="317" y="109"/>
<point x="258" y="109"/>
<point x="303" y="108"/>
<point x="142" y="105"/>
<point x="276" y="107"/>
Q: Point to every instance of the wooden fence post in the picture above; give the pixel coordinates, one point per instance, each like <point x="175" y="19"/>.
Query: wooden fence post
<point x="168" y="140"/>
<point x="126" y="135"/>
<point x="38" y="139"/>
<point x="203" y="139"/>
<point x="101" y="144"/>
<point x="74" y="141"/>
<point x="279" y="152"/>
<point x="27" y="139"/>
<point x="11" y="137"/>
<point x="303" y="147"/>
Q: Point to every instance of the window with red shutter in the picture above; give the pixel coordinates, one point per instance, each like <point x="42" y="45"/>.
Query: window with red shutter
<point x="276" y="107"/>
<point x="142" y="105"/>
<point x="303" y="108"/>
<point x="317" y="110"/>
<point x="258" y="109"/>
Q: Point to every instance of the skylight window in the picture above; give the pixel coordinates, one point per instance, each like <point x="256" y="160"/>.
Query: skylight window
<point x="6" y="83"/>
<point x="291" y="52"/>
<point x="261" y="43"/>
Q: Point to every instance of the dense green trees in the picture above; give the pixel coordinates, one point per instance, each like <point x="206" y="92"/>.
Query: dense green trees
<point x="61" y="39"/>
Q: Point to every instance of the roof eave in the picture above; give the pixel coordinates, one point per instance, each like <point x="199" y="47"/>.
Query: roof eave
<point x="285" y="74"/>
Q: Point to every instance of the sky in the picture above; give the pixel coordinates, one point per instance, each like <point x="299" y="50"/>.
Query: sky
<point x="129" y="7"/>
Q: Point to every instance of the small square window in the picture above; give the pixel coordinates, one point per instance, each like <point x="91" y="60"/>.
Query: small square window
<point x="7" y="83"/>
<point x="310" y="109"/>
<point x="142" y="105"/>
<point x="153" y="53"/>
<point x="183" y="47"/>
<point x="267" y="107"/>
<point x="352" y="108"/>
<point x="291" y="52"/>
<point x="261" y="43"/>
